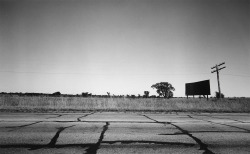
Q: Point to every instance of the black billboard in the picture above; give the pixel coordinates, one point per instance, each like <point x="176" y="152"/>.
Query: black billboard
<point x="198" y="88"/>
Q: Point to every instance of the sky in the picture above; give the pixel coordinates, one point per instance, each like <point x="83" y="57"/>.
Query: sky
<point x="123" y="46"/>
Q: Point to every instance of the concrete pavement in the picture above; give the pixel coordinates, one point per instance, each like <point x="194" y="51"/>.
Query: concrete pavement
<point x="119" y="132"/>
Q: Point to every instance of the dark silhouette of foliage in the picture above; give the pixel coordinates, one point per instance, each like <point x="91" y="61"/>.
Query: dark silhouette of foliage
<point x="133" y="96"/>
<point x="108" y="94"/>
<point x="146" y="94"/>
<point x="217" y="95"/>
<point x="164" y="89"/>
<point x="153" y="96"/>
<point x="56" y="93"/>
<point x="86" y="94"/>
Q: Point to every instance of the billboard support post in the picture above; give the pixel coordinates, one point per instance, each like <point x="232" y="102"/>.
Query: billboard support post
<point x="217" y="69"/>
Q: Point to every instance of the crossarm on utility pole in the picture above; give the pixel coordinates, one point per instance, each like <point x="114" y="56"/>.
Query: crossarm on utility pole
<point x="222" y="68"/>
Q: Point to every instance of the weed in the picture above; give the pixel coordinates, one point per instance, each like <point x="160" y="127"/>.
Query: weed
<point x="39" y="103"/>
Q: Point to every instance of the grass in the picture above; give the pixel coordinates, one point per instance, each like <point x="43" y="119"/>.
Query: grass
<point x="76" y="104"/>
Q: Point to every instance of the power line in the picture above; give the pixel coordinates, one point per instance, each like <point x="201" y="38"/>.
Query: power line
<point x="27" y="72"/>
<point x="63" y="73"/>
<point x="237" y="75"/>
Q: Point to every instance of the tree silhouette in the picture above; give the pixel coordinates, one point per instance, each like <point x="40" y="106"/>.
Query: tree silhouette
<point x="146" y="94"/>
<point x="56" y="93"/>
<point x="164" y="89"/>
<point x="86" y="94"/>
<point x="217" y="95"/>
<point x="108" y="94"/>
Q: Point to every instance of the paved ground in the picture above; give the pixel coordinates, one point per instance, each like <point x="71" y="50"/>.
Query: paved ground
<point x="109" y="132"/>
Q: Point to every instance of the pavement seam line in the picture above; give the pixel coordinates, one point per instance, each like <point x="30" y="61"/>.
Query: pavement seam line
<point x="147" y="142"/>
<point x="202" y="145"/>
<point x="247" y="130"/>
<point x="220" y="118"/>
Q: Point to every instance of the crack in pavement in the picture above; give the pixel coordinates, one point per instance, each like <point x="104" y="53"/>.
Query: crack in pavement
<point x="206" y="132"/>
<point x="55" y="117"/>
<point x="247" y="130"/>
<point x="202" y="145"/>
<point x="24" y="125"/>
<point x="18" y="127"/>
<point x="152" y="119"/>
<point x="53" y="141"/>
<point x="51" y="144"/>
<point x="148" y="142"/>
<point x="174" y="134"/>
<point x="79" y="119"/>
<point x="93" y="149"/>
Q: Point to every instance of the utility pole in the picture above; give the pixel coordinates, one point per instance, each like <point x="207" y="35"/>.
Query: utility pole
<point x="217" y="69"/>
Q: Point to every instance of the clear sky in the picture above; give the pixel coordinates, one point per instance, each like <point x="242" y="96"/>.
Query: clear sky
<point x="123" y="46"/>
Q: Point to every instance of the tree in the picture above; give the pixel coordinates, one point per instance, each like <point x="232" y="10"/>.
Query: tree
<point x="153" y="96"/>
<point x="217" y="95"/>
<point x="108" y="94"/>
<point x="133" y="96"/>
<point x="164" y="89"/>
<point x="56" y="93"/>
<point x="86" y="94"/>
<point x="146" y="94"/>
